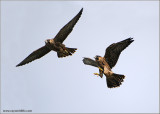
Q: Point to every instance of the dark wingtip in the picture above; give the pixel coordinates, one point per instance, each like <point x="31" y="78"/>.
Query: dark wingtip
<point x="18" y="65"/>
<point x="80" y="12"/>
<point x="82" y="9"/>
<point x="131" y="39"/>
<point x="84" y="58"/>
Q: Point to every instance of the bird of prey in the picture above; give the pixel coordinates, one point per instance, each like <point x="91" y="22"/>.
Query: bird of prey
<point x="106" y="63"/>
<point x="55" y="44"/>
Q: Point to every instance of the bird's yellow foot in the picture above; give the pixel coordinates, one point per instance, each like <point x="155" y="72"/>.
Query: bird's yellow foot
<point x="66" y="51"/>
<point x="96" y="74"/>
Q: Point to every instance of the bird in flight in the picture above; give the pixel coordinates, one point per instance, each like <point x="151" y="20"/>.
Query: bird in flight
<point x="106" y="63"/>
<point x="55" y="44"/>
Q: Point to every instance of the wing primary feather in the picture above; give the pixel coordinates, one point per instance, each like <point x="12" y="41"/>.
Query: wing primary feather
<point x="35" y="55"/>
<point x="67" y="29"/>
<point x="114" y="50"/>
<point x="89" y="61"/>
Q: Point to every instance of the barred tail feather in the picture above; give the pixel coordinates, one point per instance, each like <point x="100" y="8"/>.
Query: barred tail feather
<point x="71" y="50"/>
<point x="115" y="80"/>
<point x="60" y="54"/>
<point x="67" y="52"/>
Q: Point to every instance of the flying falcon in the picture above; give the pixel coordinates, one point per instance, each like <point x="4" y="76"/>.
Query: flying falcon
<point x="55" y="44"/>
<point x="106" y="63"/>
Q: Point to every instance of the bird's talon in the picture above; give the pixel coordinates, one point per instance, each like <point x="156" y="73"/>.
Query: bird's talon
<point x="96" y="74"/>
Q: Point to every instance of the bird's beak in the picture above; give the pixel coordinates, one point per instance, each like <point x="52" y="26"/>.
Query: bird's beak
<point x="46" y="41"/>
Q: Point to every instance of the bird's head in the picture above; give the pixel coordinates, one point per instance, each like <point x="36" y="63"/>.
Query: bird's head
<point x="47" y="41"/>
<point x="97" y="57"/>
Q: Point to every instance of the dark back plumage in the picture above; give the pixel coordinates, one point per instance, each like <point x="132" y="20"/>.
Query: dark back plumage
<point x="114" y="50"/>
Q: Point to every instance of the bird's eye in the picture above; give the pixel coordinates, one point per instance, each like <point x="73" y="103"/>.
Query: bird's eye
<point x="97" y="58"/>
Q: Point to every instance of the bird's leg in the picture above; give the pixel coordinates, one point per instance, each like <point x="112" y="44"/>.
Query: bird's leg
<point x="100" y="69"/>
<point x="65" y="50"/>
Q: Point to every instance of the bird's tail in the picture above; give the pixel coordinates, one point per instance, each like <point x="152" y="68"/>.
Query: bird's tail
<point x="115" y="80"/>
<point x="71" y="50"/>
<point x="67" y="51"/>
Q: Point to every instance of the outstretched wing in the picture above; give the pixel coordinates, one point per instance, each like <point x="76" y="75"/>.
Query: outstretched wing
<point x="35" y="55"/>
<point x="89" y="61"/>
<point x="114" y="50"/>
<point x="66" y="30"/>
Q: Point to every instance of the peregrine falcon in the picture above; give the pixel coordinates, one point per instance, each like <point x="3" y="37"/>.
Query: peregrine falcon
<point x="55" y="44"/>
<point x="106" y="63"/>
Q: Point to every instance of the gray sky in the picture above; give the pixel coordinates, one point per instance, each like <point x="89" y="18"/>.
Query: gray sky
<point x="59" y="85"/>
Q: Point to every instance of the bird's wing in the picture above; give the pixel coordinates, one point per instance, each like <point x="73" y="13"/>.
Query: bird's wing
<point x="35" y="55"/>
<point x="89" y="61"/>
<point x="66" y="30"/>
<point x="114" y="50"/>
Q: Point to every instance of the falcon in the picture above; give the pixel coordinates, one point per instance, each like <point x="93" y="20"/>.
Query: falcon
<point x="55" y="44"/>
<point x="106" y="63"/>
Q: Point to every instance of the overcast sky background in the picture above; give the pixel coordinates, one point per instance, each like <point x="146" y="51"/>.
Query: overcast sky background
<point x="66" y="85"/>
